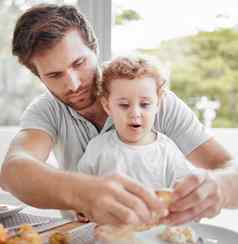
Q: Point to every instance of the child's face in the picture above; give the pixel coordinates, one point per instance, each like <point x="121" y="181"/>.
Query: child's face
<point x="132" y="104"/>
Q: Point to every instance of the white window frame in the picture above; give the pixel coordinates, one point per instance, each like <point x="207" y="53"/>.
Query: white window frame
<point x="99" y="14"/>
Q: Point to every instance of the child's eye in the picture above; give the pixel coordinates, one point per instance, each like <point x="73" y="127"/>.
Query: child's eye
<point x="145" y="105"/>
<point x="124" y="105"/>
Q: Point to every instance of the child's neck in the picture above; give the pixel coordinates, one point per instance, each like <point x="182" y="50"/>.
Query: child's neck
<point x="146" y="140"/>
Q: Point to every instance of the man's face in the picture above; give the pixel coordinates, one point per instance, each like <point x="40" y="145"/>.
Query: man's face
<point x="132" y="104"/>
<point x="68" y="70"/>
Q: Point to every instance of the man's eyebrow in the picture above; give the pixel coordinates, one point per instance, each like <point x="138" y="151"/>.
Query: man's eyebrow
<point x="81" y="58"/>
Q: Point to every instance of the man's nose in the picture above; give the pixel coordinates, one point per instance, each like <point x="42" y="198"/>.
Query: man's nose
<point x="74" y="80"/>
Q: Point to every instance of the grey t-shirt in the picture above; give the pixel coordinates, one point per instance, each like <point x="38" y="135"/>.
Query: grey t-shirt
<point x="71" y="132"/>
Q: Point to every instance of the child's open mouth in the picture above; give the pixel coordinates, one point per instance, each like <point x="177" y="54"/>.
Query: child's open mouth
<point x="135" y="125"/>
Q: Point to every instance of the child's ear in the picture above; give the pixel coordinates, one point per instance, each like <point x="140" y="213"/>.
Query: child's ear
<point x="160" y="93"/>
<point x="105" y="104"/>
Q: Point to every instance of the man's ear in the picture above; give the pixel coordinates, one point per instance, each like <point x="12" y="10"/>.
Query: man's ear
<point x="105" y="104"/>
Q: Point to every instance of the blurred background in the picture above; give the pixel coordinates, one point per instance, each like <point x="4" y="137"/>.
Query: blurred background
<point x="196" y="41"/>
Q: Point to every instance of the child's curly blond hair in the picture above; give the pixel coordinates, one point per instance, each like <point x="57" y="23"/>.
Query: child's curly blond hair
<point x="128" y="68"/>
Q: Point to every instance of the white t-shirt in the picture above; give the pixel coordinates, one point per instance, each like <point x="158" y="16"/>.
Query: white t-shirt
<point x="71" y="132"/>
<point x="156" y="165"/>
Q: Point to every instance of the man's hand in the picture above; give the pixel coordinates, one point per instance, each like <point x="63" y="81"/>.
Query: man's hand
<point x="195" y="197"/>
<point x="116" y="199"/>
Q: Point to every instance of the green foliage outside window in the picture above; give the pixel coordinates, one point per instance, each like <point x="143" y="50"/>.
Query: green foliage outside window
<point x="205" y="64"/>
<point x="127" y="15"/>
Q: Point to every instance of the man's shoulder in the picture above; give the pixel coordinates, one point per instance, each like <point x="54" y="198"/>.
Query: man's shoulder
<point x="169" y="103"/>
<point x="168" y="97"/>
<point x="45" y="99"/>
<point x="44" y="110"/>
<point x="46" y="103"/>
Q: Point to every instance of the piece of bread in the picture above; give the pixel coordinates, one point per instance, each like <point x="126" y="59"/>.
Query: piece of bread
<point x="165" y="196"/>
<point x="59" y="238"/>
<point x="3" y="234"/>
<point x="125" y="233"/>
<point x="25" y="235"/>
<point x="178" y="235"/>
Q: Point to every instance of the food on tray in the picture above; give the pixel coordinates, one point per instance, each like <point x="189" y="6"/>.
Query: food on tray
<point x="25" y="235"/>
<point x="118" y="234"/>
<point x="3" y="234"/>
<point x="111" y="233"/>
<point x="58" y="238"/>
<point x="126" y="233"/>
<point x="178" y="235"/>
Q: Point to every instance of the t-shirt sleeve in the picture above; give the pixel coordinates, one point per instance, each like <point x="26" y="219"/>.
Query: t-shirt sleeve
<point x="41" y="114"/>
<point x="178" y="166"/>
<point x="176" y="120"/>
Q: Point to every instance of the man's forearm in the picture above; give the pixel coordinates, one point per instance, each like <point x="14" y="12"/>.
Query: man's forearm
<point x="37" y="184"/>
<point x="210" y="155"/>
<point x="228" y="181"/>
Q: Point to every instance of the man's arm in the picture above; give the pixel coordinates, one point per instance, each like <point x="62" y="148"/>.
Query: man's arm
<point x="110" y="199"/>
<point x="204" y="195"/>
<point x="24" y="172"/>
<point x="176" y="120"/>
<point x="210" y="155"/>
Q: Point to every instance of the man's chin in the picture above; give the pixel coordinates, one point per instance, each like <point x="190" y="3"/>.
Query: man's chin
<point x="81" y="106"/>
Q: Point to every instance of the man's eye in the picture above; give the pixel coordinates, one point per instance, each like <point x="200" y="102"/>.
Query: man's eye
<point x="79" y="62"/>
<point x="55" y="75"/>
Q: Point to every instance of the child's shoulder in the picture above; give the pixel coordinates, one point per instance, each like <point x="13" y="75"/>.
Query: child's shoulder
<point x="167" y="143"/>
<point x="165" y="140"/>
<point x="102" y="139"/>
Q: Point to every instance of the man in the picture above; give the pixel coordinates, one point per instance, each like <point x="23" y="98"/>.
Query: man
<point x="58" y="45"/>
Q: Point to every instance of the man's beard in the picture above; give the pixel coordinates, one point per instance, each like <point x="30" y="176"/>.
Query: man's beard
<point x="83" y="103"/>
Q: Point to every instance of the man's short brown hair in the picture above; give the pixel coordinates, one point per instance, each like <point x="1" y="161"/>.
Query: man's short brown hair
<point x="128" y="68"/>
<point x="43" y="26"/>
